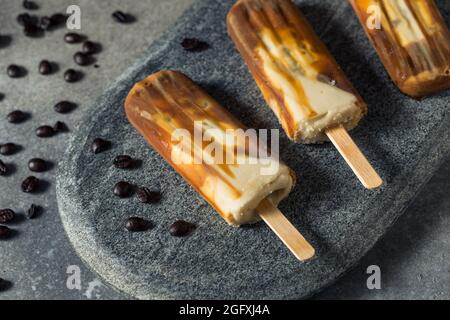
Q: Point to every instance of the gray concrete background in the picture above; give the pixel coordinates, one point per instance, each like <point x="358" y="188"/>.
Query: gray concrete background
<point x="37" y="258"/>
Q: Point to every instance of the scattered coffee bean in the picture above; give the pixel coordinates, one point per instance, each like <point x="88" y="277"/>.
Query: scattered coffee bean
<point x="146" y="196"/>
<point x="60" y="126"/>
<point x="30" y="5"/>
<point x="123" y="189"/>
<point x="89" y="47"/>
<point x="30" y="184"/>
<point x="5" y="40"/>
<point x="37" y="165"/>
<point x="25" y="19"/>
<point x="72" y="75"/>
<point x="30" y="24"/>
<point x="16" y="116"/>
<point x="32" y="30"/>
<point x="15" y="71"/>
<point x="7" y="215"/>
<point x="123" y="17"/>
<point x="82" y="59"/>
<point x="64" y="106"/>
<point x="3" y="169"/>
<point x="123" y="162"/>
<point x="96" y="66"/>
<point x="45" y="67"/>
<point x="5" y="284"/>
<point x="5" y="232"/>
<point x="45" y="132"/>
<point x="45" y="23"/>
<point x="33" y="211"/>
<point x="8" y="149"/>
<point x="181" y="228"/>
<point x="193" y="44"/>
<point x="99" y="145"/>
<point x="58" y="19"/>
<point x="73" y="38"/>
<point x="136" y="224"/>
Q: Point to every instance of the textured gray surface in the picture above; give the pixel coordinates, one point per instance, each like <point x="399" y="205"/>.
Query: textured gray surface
<point x="37" y="258"/>
<point x="414" y="256"/>
<point x="416" y="266"/>
<point x="406" y="140"/>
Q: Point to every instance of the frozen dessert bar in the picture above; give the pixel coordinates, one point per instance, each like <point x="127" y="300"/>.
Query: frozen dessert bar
<point x="300" y="80"/>
<point x="170" y="110"/>
<point x="412" y="40"/>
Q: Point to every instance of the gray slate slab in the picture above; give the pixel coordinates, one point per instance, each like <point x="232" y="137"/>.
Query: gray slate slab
<point x="406" y="140"/>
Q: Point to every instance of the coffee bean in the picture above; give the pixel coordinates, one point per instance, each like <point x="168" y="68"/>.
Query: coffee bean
<point x="45" y="23"/>
<point x="32" y="30"/>
<point x="37" y="165"/>
<point x="25" y="19"/>
<point x="16" y="116"/>
<point x="33" y="211"/>
<point x="58" y="19"/>
<point x="136" y="224"/>
<point x="123" y="17"/>
<point x="181" y="228"/>
<point x="30" y="5"/>
<point x="14" y="71"/>
<point x="99" y="145"/>
<point x="30" y="184"/>
<point x="72" y="75"/>
<point x="146" y="196"/>
<point x="193" y="44"/>
<point x="64" y="106"/>
<point x="45" y="67"/>
<point x="45" y="132"/>
<point x="2" y="96"/>
<point x="123" y="189"/>
<point x="30" y="24"/>
<point x="5" y="232"/>
<point x="60" y="126"/>
<point x="89" y="47"/>
<point x="4" y="285"/>
<point x="8" y="149"/>
<point x="82" y="59"/>
<point x="5" y="40"/>
<point x="3" y="168"/>
<point x="73" y="38"/>
<point x="123" y="162"/>
<point x="7" y="215"/>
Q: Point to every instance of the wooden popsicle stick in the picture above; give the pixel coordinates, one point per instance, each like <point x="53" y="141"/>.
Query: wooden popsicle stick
<point x="284" y="229"/>
<point x="354" y="157"/>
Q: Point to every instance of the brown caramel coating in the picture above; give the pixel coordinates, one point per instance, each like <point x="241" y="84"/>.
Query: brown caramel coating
<point x="169" y="100"/>
<point x="413" y="43"/>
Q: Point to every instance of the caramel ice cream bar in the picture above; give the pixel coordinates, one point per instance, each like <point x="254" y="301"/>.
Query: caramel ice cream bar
<point x="412" y="41"/>
<point x="299" y="78"/>
<point x="169" y="110"/>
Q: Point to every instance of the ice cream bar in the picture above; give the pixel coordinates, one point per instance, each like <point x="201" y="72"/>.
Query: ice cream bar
<point x="299" y="78"/>
<point x="412" y="40"/>
<point x="170" y="111"/>
<point x="243" y="188"/>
